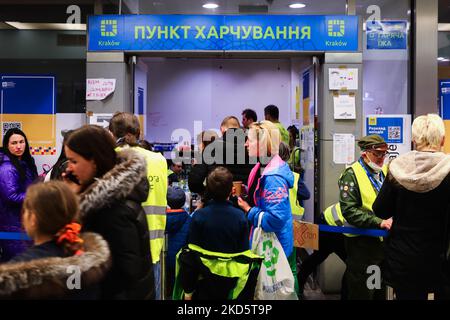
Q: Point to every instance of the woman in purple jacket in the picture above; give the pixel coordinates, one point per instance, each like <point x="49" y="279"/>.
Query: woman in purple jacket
<point x="17" y="172"/>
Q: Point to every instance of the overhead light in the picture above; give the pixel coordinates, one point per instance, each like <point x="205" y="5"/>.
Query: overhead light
<point x="47" y="26"/>
<point x="210" y="6"/>
<point x="297" y="5"/>
<point x="441" y="58"/>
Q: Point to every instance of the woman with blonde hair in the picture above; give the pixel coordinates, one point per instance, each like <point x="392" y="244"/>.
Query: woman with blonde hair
<point x="268" y="187"/>
<point x="416" y="195"/>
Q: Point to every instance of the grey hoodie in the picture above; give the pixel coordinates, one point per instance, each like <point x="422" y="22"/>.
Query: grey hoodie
<point x="420" y="171"/>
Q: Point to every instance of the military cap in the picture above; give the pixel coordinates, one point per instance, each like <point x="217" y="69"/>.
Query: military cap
<point x="372" y="141"/>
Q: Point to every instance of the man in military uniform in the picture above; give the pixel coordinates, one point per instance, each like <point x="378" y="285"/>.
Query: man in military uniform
<point x="359" y="185"/>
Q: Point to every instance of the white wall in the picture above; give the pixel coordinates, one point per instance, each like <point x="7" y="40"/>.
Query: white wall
<point x="181" y="91"/>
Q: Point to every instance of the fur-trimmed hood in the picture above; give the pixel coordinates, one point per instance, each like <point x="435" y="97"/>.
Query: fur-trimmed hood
<point x="127" y="180"/>
<point x="420" y="171"/>
<point x="47" y="277"/>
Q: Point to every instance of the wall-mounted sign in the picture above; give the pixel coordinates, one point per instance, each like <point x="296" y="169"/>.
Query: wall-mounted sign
<point x="386" y="34"/>
<point x="222" y="32"/>
<point x="444" y="98"/>
<point x="99" y="89"/>
<point x="395" y="130"/>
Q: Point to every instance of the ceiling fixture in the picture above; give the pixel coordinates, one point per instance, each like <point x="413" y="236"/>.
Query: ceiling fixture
<point x="297" y="5"/>
<point x="47" y="26"/>
<point x="210" y="6"/>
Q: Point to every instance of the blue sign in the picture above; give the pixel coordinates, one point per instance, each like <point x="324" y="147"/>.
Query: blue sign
<point x="222" y="32"/>
<point x="28" y="94"/>
<point x="444" y="97"/>
<point x="391" y="129"/>
<point x="386" y="34"/>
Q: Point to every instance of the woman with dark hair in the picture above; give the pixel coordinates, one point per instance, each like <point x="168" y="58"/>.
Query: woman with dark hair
<point x="112" y="187"/>
<point x="17" y="172"/>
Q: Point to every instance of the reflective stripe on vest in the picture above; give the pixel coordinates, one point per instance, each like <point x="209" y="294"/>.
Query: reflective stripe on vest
<point x="296" y="208"/>
<point x="333" y="216"/>
<point x="156" y="203"/>
<point x="230" y="265"/>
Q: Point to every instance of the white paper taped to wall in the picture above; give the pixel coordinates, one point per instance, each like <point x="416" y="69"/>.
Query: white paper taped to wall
<point x="343" y="78"/>
<point x="99" y="89"/>
<point x="343" y="148"/>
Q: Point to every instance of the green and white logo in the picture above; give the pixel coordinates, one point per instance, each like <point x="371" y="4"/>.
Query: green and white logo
<point x="270" y="257"/>
<point x="109" y="28"/>
<point x="336" y="28"/>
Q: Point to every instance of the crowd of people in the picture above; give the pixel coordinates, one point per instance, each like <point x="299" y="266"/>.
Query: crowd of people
<point x="110" y="202"/>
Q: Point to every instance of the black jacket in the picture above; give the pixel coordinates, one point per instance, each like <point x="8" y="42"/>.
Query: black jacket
<point x="111" y="206"/>
<point x="420" y="211"/>
<point x="229" y="152"/>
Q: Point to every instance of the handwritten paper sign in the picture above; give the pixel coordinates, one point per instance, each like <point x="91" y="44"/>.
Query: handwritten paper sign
<point x="343" y="78"/>
<point x="99" y="89"/>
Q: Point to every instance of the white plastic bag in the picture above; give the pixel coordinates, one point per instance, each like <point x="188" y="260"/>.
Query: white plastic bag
<point x="275" y="279"/>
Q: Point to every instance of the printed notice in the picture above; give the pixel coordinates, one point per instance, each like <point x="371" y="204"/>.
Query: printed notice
<point x="99" y="89"/>
<point x="344" y="106"/>
<point x="343" y="78"/>
<point x="343" y="148"/>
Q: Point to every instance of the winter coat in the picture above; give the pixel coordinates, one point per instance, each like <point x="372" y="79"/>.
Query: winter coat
<point x="111" y="206"/>
<point x="272" y="197"/>
<point x="47" y="278"/>
<point x="229" y="152"/>
<point x="416" y="194"/>
<point x="12" y="192"/>
<point x="177" y="229"/>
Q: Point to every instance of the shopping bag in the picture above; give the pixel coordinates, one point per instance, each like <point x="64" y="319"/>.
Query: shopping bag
<point x="275" y="280"/>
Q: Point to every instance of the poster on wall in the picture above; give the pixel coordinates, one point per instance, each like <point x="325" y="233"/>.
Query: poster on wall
<point x="343" y="78"/>
<point x="395" y="130"/>
<point x="28" y="103"/>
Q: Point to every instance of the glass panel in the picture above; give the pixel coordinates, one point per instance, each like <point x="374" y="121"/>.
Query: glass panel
<point x="386" y="71"/>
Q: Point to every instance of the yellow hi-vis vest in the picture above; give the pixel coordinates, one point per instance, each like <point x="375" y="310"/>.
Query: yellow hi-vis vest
<point x="296" y="208"/>
<point x="228" y="265"/>
<point x="366" y="190"/>
<point x="156" y="203"/>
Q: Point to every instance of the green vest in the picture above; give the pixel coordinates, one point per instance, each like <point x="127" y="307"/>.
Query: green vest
<point x="296" y="208"/>
<point x="169" y="172"/>
<point x="230" y="265"/>
<point x="156" y="203"/>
